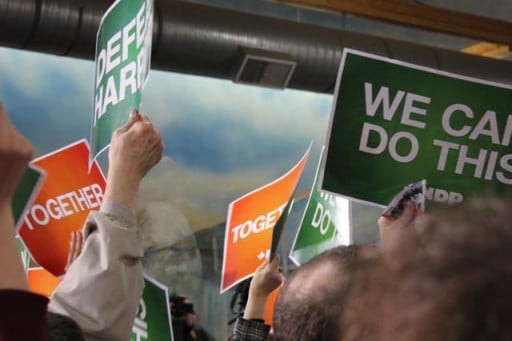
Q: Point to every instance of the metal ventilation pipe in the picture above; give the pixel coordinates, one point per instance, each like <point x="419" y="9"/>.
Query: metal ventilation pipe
<point x="206" y="41"/>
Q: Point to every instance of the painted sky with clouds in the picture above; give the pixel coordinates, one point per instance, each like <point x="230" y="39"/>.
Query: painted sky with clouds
<point x="222" y="139"/>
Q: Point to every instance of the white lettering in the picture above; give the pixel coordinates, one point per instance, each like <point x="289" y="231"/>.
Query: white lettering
<point x="365" y="137"/>
<point x="113" y="48"/>
<point x="489" y="118"/>
<point x="258" y="225"/>
<point x="393" y="147"/>
<point x="505" y="163"/>
<point x="409" y="109"/>
<point x="382" y="98"/>
<point x="64" y="205"/>
<point x="447" y="115"/>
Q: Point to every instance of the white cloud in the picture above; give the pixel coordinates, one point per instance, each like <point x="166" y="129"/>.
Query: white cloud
<point x="169" y="96"/>
<point x="35" y="73"/>
<point x="59" y="86"/>
<point x="203" y="197"/>
<point x="271" y="112"/>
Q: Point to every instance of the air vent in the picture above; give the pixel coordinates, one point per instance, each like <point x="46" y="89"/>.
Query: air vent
<point x="265" y="68"/>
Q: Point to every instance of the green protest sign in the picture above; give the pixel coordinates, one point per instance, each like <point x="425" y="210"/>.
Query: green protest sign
<point x="26" y="192"/>
<point x="326" y="223"/>
<point x="153" y="319"/>
<point x="394" y="123"/>
<point x="25" y="255"/>
<point x="123" y="57"/>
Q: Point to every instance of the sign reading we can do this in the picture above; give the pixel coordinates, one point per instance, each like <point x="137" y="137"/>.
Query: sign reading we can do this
<point x="394" y="123"/>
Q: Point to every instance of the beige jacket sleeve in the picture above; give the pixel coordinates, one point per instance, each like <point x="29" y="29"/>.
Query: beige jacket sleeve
<point x="102" y="288"/>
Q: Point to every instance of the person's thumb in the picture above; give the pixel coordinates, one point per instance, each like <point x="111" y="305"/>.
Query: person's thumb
<point x="134" y="117"/>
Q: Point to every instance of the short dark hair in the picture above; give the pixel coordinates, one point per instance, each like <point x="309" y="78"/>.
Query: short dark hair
<point x="62" y="328"/>
<point x="312" y="313"/>
<point x="457" y="285"/>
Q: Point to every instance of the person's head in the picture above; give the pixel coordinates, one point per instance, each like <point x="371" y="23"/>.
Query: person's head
<point x="180" y="307"/>
<point x="310" y="302"/>
<point x="62" y="328"/>
<point x="456" y="286"/>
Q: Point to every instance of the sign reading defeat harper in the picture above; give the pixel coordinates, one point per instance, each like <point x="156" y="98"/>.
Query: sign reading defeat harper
<point x="123" y="57"/>
<point x="393" y="123"/>
<point x="69" y="192"/>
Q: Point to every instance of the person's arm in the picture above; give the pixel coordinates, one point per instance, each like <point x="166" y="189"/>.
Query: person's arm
<point x="251" y="326"/>
<point x="102" y="287"/>
<point x="266" y="279"/>
<point x="18" y="307"/>
<point x="15" y="153"/>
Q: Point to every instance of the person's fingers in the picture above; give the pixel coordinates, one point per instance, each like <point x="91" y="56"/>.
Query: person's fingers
<point x="145" y="118"/>
<point x="70" y="253"/>
<point x="154" y="139"/>
<point x="78" y="245"/>
<point x="71" y="243"/>
<point x="384" y="221"/>
<point x="146" y="123"/>
<point x="407" y="215"/>
<point x="75" y="245"/>
<point x="80" y="242"/>
<point x="262" y="265"/>
<point x="405" y="218"/>
<point x="132" y="119"/>
<point x="274" y="264"/>
<point x="155" y="153"/>
<point x="391" y="230"/>
<point x="72" y="247"/>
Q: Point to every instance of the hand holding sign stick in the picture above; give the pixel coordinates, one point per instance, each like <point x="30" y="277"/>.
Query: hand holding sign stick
<point x="406" y="206"/>
<point x="135" y="143"/>
<point x="266" y="279"/>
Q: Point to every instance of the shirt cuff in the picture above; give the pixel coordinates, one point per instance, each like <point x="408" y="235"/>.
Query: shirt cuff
<point x="120" y="212"/>
<point x="252" y="329"/>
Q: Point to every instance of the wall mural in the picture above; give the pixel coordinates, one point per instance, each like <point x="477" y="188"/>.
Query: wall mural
<point x="222" y="141"/>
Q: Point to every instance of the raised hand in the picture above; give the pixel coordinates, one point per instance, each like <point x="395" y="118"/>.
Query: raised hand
<point x="135" y="148"/>
<point x="266" y="279"/>
<point x="392" y="230"/>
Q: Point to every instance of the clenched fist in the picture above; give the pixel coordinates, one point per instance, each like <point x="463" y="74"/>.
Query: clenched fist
<point x="134" y="149"/>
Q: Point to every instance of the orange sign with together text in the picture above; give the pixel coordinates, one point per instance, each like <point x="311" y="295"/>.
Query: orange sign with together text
<point x="69" y="192"/>
<point x="249" y="225"/>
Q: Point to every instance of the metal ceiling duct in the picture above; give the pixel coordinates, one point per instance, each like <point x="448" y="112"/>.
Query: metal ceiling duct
<point x="203" y="40"/>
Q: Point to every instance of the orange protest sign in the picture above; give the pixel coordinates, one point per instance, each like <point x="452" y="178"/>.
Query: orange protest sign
<point x="249" y="225"/>
<point x="41" y="281"/>
<point x="67" y="195"/>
